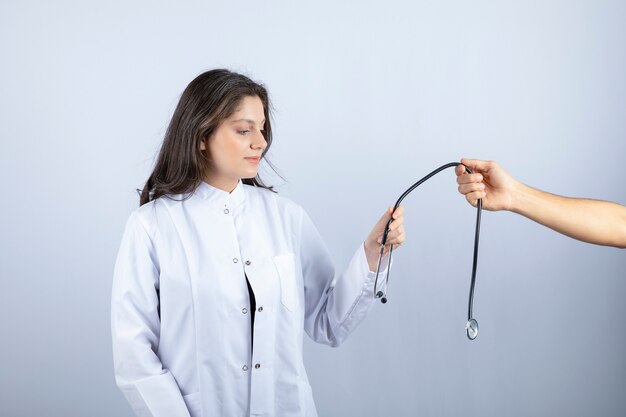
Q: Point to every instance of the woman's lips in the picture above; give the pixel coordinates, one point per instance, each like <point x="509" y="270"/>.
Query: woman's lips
<point x="253" y="160"/>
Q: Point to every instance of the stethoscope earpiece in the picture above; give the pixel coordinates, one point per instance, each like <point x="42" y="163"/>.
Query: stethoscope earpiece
<point x="382" y="296"/>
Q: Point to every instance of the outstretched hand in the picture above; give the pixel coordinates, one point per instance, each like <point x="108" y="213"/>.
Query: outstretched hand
<point x="489" y="182"/>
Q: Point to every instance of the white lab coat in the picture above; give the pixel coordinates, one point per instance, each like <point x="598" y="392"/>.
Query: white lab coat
<point x="179" y="312"/>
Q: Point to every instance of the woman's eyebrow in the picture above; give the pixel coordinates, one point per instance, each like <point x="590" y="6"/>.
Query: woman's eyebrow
<point x="248" y="120"/>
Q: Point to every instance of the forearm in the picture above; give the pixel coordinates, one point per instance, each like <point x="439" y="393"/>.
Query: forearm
<point x="333" y="308"/>
<point x="593" y="221"/>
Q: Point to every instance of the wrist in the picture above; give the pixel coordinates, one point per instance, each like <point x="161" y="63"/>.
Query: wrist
<point x="371" y="248"/>
<point x="519" y="194"/>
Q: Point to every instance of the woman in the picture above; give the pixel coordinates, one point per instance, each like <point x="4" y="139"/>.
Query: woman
<point x="217" y="276"/>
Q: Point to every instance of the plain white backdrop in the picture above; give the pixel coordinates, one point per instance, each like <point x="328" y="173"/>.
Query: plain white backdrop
<point x="368" y="97"/>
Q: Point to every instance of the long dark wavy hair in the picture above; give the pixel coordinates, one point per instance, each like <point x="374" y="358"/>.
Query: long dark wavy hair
<point x="210" y="98"/>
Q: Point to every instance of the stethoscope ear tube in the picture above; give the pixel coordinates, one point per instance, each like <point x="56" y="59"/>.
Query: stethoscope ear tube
<point x="471" y="326"/>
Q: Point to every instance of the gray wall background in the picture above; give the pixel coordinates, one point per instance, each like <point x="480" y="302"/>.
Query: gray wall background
<point x="369" y="97"/>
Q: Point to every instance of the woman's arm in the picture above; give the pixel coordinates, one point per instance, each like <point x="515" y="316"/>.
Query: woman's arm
<point x="334" y="306"/>
<point x="594" y="221"/>
<point x="150" y="389"/>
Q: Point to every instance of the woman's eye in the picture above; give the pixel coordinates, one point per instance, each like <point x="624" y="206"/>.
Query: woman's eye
<point x="243" y="132"/>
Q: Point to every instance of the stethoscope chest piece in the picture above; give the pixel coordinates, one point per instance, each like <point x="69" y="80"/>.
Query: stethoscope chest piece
<point x="472" y="329"/>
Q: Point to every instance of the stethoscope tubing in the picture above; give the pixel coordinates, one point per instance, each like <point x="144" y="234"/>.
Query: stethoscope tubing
<point x="479" y="206"/>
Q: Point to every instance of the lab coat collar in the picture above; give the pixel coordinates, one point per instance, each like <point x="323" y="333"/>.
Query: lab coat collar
<point x="219" y="198"/>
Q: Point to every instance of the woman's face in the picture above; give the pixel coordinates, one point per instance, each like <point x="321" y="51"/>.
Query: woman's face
<point x="234" y="145"/>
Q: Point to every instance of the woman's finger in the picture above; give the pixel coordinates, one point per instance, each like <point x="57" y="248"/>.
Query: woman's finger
<point x="396" y="223"/>
<point x="391" y="236"/>
<point x="398" y="212"/>
<point x="397" y="241"/>
<point x="389" y="239"/>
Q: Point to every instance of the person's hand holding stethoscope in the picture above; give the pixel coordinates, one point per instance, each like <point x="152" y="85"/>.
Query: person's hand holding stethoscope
<point x="395" y="236"/>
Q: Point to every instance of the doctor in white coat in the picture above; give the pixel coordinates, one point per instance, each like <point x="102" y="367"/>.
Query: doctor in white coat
<point x="217" y="277"/>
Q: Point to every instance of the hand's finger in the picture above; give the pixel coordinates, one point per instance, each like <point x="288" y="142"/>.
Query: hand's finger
<point x="477" y="164"/>
<point x="396" y="223"/>
<point x="398" y="212"/>
<point x="380" y="239"/>
<point x="472" y="198"/>
<point x="459" y="170"/>
<point x="396" y="245"/>
<point x="388" y="247"/>
<point x="469" y="188"/>
<point x="464" y="179"/>
<point x="391" y="235"/>
<point x="399" y="238"/>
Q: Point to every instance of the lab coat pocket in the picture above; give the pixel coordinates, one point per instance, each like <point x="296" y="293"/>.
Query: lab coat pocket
<point x="193" y="404"/>
<point x="286" y="267"/>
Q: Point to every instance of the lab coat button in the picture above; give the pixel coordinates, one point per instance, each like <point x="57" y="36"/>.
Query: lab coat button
<point x="260" y="309"/>
<point x="244" y="310"/>
<point x="245" y="367"/>
<point x="235" y="260"/>
<point x="257" y="366"/>
<point x="248" y="262"/>
<point x="226" y="211"/>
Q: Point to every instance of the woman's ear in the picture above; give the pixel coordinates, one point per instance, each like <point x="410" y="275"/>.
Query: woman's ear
<point x="203" y="145"/>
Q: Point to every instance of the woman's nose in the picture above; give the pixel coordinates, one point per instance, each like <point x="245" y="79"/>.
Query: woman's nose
<point x="259" y="141"/>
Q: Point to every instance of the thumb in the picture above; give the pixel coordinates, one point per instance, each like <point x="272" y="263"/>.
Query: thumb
<point x="476" y="164"/>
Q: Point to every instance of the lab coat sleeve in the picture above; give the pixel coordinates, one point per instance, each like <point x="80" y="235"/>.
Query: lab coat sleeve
<point x="334" y="306"/>
<point x="150" y="389"/>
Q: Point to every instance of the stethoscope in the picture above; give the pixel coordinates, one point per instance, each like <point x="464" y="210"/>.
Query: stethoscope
<point x="472" y="325"/>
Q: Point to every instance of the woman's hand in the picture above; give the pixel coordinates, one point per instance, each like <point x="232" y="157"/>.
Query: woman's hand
<point x="395" y="236"/>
